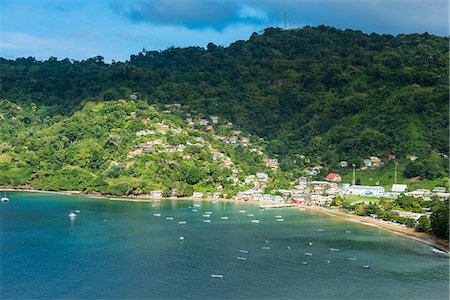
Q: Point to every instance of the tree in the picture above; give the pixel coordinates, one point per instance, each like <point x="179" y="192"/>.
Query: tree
<point x="440" y="222"/>
<point x="423" y="224"/>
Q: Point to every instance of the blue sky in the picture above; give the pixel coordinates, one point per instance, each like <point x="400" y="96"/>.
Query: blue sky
<point x="115" y="29"/>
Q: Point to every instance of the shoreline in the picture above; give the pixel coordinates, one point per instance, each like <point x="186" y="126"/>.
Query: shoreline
<point x="396" y="229"/>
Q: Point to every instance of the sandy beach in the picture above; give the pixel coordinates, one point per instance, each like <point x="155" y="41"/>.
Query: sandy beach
<point x="394" y="228"/>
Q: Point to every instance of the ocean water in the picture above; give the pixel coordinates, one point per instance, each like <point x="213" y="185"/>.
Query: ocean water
<point x="121" y="250"/>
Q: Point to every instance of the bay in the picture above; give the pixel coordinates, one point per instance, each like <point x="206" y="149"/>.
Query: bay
<point x="119" y="250"/>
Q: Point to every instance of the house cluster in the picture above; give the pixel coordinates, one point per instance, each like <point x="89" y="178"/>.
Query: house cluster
<point x="156" y="146"/>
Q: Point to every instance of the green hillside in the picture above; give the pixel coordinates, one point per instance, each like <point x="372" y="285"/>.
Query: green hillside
<point x="126" y="148"/>
<point x="316" y="92"/>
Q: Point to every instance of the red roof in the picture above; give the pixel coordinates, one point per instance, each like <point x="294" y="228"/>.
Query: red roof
<point x="332" y="175"/>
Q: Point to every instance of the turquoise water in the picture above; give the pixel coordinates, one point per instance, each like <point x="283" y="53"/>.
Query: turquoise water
<point x="121" y="250"/>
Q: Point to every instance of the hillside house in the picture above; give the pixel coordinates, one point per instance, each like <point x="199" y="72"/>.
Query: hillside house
<point x="133" y="114"/>
<point x="209" y="127"/>
<point x="376" y="162"/>
<point x="244" y="143"/>
<point x="197" y="195"/>
<point x="146" y="121"/>
<point x="367" y="163"/>
<point x="411" y="157"/>
<point x="333" y="177"/>
<point x="262" y="176"/>
<point x="272" y="163"/>
<point x="203" y="122"/>
<point x="391" y="157"/>
<point x="215" y="119"/>
<point x="343" y="164"/>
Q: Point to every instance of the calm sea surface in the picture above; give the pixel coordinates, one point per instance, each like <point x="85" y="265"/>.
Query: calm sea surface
<point x="122" y="250"/>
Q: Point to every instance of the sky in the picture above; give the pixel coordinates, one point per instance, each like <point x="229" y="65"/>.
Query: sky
<point x="116" y="29"/>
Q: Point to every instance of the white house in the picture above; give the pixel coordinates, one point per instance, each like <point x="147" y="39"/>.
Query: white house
<point x="399" y="188"/>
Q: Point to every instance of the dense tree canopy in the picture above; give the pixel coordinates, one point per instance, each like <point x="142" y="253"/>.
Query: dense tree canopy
<point x="319" y="91"/>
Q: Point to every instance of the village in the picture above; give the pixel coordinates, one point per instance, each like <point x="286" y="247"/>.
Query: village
<point x="312" y="189"/>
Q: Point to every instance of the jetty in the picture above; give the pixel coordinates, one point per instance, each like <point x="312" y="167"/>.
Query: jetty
<point x="280" y="205"/>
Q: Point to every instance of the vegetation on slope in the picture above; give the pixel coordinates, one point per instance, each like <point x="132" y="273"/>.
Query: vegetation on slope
<point x="320" y="92"/>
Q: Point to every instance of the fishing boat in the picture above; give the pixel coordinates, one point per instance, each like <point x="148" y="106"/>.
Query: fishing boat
<point x="320" y="229"/>
<point x="169" y="218"/>
<point x="266" y="248"/>
<point x="224" y="218"/>
<point x="181" y="238"/>
<point x="348" y="231"/>
<point x="206" y="216"/>
<point x="76" y="211"/>
<point x="216" y="275"/>
<point x="255" y="221"/>
<point x="207" y="221"/>
<point x="334" y="249"/>
<point x="249" y="215"/>
<point x="310" y="243"/>
<point x="157" y="215"/>
<point x="182" y="222"/>
<point x="72" y="215"/>
<point x="242" y="211"/>
<point x="304" y="262"/>
<point x="241" y="258"/>
<point x="194" y="210"/>
<point x="4" y="198"/>
<point x="307" y="254"/>
<point x="278" y="217"/>
<point x="352" y="258"/>
<point x="243" y="251"/>
<point x="366" y="267"/>
<point x="280" y="220"/>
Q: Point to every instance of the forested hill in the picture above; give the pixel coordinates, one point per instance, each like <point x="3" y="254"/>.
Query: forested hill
<point x="317" y="91"/>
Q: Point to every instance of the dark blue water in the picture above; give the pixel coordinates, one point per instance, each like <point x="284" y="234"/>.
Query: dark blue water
<point x="121" y="250"/>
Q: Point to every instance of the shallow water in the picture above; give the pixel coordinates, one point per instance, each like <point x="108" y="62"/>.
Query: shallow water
<point x="121" y="250"/>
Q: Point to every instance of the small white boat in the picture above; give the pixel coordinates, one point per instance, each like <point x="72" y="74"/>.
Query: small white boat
<point x="328" y="261"/>
<point x="241" y="258"/>
<point x="4" y="198"/>
<point x="438" y="251"/>
<point x="352" y="258"/>
<point x="278" y="217"/>
<point x="224" y="218"/>
<point x="196" y="205"/>
<point x="348" y="231"/>
<point x="216" y="275"/>
<point x="255" y="221"/>
<point x="307" y="254"/>
<point x="249" y="215"/>
<point x="366" y="267"/>
<point x="76" y="211"/>
<point x="301" y="209"/>
<point x="310" y="243"/>
<point x="334" y="250"/>
<point x="72" y="215"/>
<point x="304" y="262"/>
<point x="182" y="222"/>
<point x="169" y="218"/>
<point x="206" y="216"/>
<point x="194" y="210"/>
<point x="320" y="229"/>
<point x="243" y="251"/>
<point x="267" y="241"/>
<point x="181" y="238"/>
<point x="289" y="247"/>
<point x="242" y="211"/>
<point x="208" y="212"/>
<point x="207" y="221"/>
<point x="157" y="215"/>
<point x="280" y="220"/>
<point x="266" y="248"/>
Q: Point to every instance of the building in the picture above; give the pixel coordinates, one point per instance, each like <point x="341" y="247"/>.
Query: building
<point x="399" y="188"/>
<point x="333" y="177"/>
<point x="362" y="190"/>
<point x="376" y="162"/>
<point x="343" y="164"/>
<point x="215" y="119"/>
<point x="367" y="162"/>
